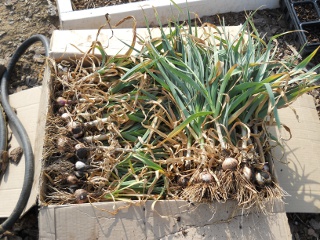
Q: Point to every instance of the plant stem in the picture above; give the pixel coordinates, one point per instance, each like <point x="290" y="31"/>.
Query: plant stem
<point x="113" y="149"/>
<point x="220" y="136"/>
<point x="244" y="141"/>
<point x="258" y="142"/>
<point x="100" y="137"/>
<point x="95" y="122"/>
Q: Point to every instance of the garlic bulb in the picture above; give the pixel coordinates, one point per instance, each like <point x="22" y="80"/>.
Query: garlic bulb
<point x="61" y="101"/>
<point x="72" y="180"/>
<point x="81" y="166"/>
<point x="205" y="176"/>
<point x="263" y="178"/>
<point x="63" y="143"/>
<point x="229" y="163"/>
<point x="247" y="172"/>
<point x="76" y="128"/>
<point x="66" y="116"/>
<point x="81" y="196"/>
<point x="82" y="152"/>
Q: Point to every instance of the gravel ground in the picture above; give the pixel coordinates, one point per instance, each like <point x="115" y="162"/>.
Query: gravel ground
<point x="19" y="19"/>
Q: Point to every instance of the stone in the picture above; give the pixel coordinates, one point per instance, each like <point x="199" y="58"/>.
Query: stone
<point x="312" y="232"/>
<point x="8" y="3"/>
<point x="259" y="21"/>
<point x="2" y="33"/>
<point x="314" y="224"/>
<point x="38" y="58"/>
<point x="15" y="155"/>
<point x="21" y="88"/>
<point x="39" y="50"/>
<point x="31" y="81"/>
<point x="52" y="11"/>
<point x="3" y="64"/>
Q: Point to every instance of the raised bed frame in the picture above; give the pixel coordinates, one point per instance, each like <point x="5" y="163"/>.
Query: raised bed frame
<point x="94" y="18"/>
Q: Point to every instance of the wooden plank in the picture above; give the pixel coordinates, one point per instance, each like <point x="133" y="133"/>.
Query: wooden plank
<point x="94" y="18"/>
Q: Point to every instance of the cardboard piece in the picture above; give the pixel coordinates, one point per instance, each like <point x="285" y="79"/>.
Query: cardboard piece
<point x="164" y="220"/>
<point x="95" y="18"/>
<point x="26" y="104"/>
<point x="298" y="164"/>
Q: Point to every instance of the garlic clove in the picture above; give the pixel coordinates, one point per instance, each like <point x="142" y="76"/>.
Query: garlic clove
<point x="229" y="163"/>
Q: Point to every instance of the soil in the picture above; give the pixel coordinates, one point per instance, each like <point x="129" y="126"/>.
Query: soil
<point x="20" y="19"/>
<point x="86" y="4"/>
<point x="306" y="12"/>
<point x="312" y="33"/>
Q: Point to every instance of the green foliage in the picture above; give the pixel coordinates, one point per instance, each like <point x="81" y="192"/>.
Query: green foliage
<point x="198" y="88"/>
<point x="235" y="78"/>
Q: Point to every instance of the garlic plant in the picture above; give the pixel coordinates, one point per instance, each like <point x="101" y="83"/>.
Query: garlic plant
<point x="224" y="91"/>
<point x="184" y="118"/>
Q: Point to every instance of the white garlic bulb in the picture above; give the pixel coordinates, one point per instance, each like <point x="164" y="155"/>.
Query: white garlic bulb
<point x="229" y="163"/>
<point x="205" y="176"/>
<point x="80" y="166"/>
<point x="247" y="172"/>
